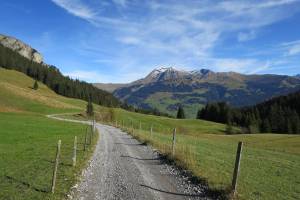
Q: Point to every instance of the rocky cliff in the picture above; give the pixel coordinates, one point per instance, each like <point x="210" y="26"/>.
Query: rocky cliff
<point x="22" y="48"/>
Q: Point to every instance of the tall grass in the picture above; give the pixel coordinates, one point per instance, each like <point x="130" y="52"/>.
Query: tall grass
<point x="268" y="167"/>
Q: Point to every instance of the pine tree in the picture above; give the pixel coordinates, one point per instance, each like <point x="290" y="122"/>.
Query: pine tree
<point x="266" y="127"/>
<point x="180" y="113"/>
<point x="229" y="129"/>
<point x="35" y="85"/>
<point x="89" y="108"/>
<point x="199" y="114"/>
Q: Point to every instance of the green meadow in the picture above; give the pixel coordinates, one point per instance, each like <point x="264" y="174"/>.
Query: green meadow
<point x="28" y="140"/>
<point x="270" y="164"/>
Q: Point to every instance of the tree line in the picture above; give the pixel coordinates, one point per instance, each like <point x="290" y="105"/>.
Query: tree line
<point x="63" y="85"/>
<point x="278" y="115"/>
<point x="53" y="78"/>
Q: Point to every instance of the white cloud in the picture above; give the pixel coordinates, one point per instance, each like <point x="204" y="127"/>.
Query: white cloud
<point x="77" y="8"/>
<point x="237" y="65"/>
<point x="98" y="77"/>
<point x="122" y="3"/>
<point x="294" y="50"/>
<point x="88" y="76"/>
<point x="180" y="32"/>
<point x="245" y="36"/>
<point x="129" y="40"/>
<point x="291" y="48"/>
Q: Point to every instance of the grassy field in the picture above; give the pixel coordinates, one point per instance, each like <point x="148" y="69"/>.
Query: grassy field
<point x="270" y="165"/>
<point x="28" y="139"/>
<point x="17" y="95"/>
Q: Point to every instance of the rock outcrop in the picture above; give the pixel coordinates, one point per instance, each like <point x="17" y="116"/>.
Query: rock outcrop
<point x="22" y="48"/>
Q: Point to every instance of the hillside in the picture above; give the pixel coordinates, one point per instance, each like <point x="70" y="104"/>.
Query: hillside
<point x="52" y="77"/>
<point x="21" y="48"/>
<point x="109" y="87"/>
<point x="23" y="125"/>
<point x="17" y="95"/>
<point x="166" y="88"/>
<point x="28" y="139"/>
<point x="278" y="115"/>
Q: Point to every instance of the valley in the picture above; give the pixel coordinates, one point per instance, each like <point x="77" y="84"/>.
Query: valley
<point x="202" y="146"/>
<point x="150" y="100"/>
<point x="166" y="88"/>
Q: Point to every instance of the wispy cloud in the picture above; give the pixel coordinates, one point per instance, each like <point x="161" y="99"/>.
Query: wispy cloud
<point x="183" y="32"/>
<point x="291" y="48"/>
<point x="246" y="36"/>
<point x="122" y="3"/>
<point x="98" y="77"/>
<point x="77" y="8"/>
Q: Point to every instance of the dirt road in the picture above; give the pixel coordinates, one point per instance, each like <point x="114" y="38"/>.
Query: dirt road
<point x="122" y="168"/>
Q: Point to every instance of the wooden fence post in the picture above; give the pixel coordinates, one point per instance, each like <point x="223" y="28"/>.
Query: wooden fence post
<point x="85" y="140"/>
<point x="237" y="167"/>
<point x="151" y="130"/>
<point x="91" y="135"/>
<point x="55" y="166"/>
<point x="174" y="142"/>
<point x="94" y="124"/>
<point x="74" y="151"/>
<point x="140" y="125"/>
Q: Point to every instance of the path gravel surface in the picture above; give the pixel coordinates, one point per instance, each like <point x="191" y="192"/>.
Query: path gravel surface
<point x="123" y="168"/>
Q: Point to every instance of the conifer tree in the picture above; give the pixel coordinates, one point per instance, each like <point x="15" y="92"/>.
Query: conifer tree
<point x="89" y="108"/>
<point x="180" y="113"/>
<point x="35" y="85"/>
<point x="199" y="114"/>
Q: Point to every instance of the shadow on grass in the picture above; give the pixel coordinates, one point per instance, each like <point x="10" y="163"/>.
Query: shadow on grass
<point x="61" y="163"/>
<point x="12" y="179"/>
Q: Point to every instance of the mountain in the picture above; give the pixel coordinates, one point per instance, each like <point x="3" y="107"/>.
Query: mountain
<point x="109" y="87"/>
<point x="21" y="48"/>
<point x="166" y="88"/>
<point x="16" y="55"/>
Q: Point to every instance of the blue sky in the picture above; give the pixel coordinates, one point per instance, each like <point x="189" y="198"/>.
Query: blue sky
<point x="123" y="40"/>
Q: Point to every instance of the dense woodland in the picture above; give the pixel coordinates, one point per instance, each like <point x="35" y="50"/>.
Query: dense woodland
<point x="278" y="115"/>
<point x="53" y="78"/>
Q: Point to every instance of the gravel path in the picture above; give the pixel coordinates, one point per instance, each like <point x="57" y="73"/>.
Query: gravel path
<point x="122" y="168"/>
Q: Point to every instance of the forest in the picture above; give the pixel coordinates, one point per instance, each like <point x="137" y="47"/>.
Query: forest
<point x="54" y="79"/>
<point x="63" y="85"/>
<point x="278" y="115"/>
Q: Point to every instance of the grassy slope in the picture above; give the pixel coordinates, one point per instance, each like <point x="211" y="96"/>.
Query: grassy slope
<point x="270" y="162"/>
<point x="28" y="139"/>
<point x="17" y="95"/>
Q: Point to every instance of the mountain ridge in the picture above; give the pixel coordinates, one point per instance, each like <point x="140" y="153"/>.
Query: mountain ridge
<point x="22" y="48"/>
<point x="165" y="88"/>
<point x="12" y="58"/>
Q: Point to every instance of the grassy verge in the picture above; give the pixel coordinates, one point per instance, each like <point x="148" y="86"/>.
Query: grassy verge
<point x="27" y="153"/>
<point x="270" y="163"/>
